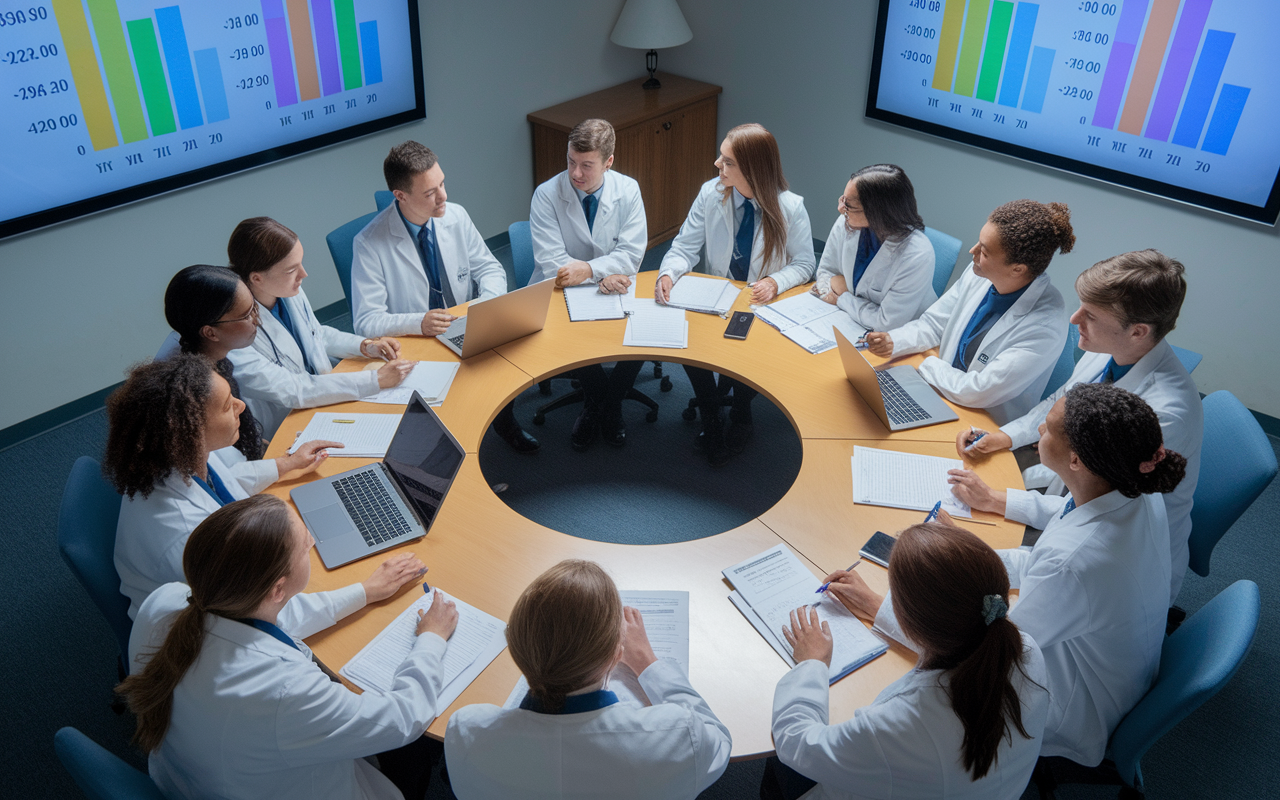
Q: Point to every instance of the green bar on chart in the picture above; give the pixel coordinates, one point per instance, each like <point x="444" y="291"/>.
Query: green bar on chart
<point x="975" y="25"/>
<point x="348" y="42"/>
<point x="948" y="45"/>
<point x="119" y="68"/>
<point x="78" y="47"/>
<point x="993" y="58"/>
<point x="155" y="92"/>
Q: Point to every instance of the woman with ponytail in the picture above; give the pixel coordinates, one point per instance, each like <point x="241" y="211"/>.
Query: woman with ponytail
<point x="570" y="737"/>
<point x="966" y="722"/>
<point x="750" y="228"/>
<point x="230" y="702"/>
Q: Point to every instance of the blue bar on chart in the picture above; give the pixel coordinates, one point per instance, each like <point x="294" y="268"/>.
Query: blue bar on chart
<point x="1038" y="79"/>
<point x="1204" y="85"/>
<point x="1225" y="117"/>
<point x="278" y="48"/>
<point x="182" y="79"/>
<point x="1015" y="65"/>
<point x="369" y="49"/>
<point x="211" y="86"/>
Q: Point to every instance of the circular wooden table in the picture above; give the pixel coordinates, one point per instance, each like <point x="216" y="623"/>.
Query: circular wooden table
<point x="485" y="553"/>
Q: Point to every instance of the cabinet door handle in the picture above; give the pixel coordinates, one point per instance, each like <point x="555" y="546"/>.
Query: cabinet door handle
<point x="666" y="126"/>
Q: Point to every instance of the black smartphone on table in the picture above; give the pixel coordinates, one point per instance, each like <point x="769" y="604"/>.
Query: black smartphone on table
<point x="739" y="324"/>
<point x="877" y="548"/>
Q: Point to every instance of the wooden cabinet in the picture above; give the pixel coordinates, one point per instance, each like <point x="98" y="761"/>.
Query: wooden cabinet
<point x="666" y="141"/>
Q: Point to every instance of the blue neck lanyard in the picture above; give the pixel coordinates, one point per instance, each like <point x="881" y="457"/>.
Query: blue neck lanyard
<point x="272" y="631"/>
<point x="574" y="704"/>
<point x="218" y="491"/>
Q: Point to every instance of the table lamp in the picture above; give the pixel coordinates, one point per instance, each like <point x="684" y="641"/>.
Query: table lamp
<point x="648" y="25"/>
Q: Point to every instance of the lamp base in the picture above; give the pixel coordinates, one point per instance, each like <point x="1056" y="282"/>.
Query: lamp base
<point x="651" y="64"/>
<point x="652" y="83"/>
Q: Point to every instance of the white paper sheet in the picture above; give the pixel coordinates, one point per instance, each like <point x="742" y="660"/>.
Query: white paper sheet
<point x="431" y="379"/>
<point x="656" y="326"/>
<point x="808" y="321"/>
<point x="630" y="301"/>
<point x="904" y="480"/>
<point x="703" y="294"/>
<point x="585" y="303"/>
<point x="798" y="310"/>
<point x="364" y="435"/>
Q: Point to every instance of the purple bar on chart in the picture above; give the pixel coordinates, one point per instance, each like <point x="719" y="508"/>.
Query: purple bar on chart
<point x="1116" y="75"/>
<point x="278" y="47"/>
<point x="1204" y="85"/>
<point x="1225" y="117"/>
<point x="326" y="46"/>
<point x="1177" y="65"/>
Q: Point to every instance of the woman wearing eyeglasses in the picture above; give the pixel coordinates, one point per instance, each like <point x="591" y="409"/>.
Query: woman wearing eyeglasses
<point x="289" y="364"/>
<point x="877" y="265"/>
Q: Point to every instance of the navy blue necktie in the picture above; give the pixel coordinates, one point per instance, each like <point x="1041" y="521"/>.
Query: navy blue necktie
<point x="740" y="264"/>
<point x="1069" y="507"/>
<point x="589" y="205"/>
<point x="430" y="259"/>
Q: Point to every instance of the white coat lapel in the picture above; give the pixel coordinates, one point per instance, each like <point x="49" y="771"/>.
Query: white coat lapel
<point x="573" y="212"/>
<point x="1018" y="310"/>
<point x="453" y="256"/>
<point x="275" y="343"/>
<point x="603" y="232"/>
<point x="407" y="249"/>
<point x="1140" y="378"/>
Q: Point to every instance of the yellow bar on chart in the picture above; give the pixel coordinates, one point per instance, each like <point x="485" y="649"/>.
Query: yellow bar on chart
<point x="78" y="46"/>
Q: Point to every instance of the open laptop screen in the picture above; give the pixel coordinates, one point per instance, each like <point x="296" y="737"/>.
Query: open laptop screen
<point x="424" y="457"/>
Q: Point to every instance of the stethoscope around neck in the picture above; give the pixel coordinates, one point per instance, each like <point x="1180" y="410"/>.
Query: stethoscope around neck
<point x="276" y="355"/>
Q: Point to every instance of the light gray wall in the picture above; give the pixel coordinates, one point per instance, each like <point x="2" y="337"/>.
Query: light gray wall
<point x="801" y="69"/>
<point x="84" y="299"/>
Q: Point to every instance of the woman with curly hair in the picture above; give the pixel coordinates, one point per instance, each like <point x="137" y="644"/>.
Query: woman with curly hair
<point x="1000" y="328"/>
<point x="162" y="426"/>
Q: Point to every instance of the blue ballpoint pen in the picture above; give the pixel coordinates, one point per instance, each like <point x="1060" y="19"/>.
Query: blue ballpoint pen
<point x="976" y="439"/>
<point x="934" y="513"/>
<point x="824" y="586"/>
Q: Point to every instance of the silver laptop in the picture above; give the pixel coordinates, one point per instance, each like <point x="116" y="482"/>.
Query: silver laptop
<point x="379" y="506"/>
<point x="901" y="398"/>
<point x="500" y="319"/>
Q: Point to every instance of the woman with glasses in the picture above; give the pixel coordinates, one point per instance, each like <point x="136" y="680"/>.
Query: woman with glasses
<point x="877" y="265"/>
<point x="289" y="364"/>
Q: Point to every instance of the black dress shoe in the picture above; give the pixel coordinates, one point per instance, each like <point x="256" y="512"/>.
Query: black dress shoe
<point x="736" y="438"/>
<point x="584" y="429"/>
<point x="711" y="443"/>
<point x="613" y="430"/>
<point x="518" y="439"/>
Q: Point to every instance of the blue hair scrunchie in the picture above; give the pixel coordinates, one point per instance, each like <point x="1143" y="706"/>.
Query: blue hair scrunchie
<point x="993" y="608"/>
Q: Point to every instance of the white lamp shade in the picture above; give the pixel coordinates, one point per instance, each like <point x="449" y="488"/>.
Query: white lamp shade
<point x="651" y="24"/>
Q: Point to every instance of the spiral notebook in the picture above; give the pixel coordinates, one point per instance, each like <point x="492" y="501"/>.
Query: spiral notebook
<point x="586" y="303"/>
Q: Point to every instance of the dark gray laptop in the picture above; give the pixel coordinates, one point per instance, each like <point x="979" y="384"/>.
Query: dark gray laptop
<point x="379" y="506"/>
<point x="498" y="320"/>
<point x="901" y="398"/>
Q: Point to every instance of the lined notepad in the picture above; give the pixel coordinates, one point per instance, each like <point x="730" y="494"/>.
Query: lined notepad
<point x="904" y="480"/>
<point x="431" y="379"/>
<point x="808" y="321"/>
<point x="652" y="325"/>
<point x="586" y="303"/>
<point x="698" y="293"/>
<point x="362" y="435"/>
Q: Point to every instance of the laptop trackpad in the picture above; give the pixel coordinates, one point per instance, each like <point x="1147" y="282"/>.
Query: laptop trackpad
<point x="328" y="522"/>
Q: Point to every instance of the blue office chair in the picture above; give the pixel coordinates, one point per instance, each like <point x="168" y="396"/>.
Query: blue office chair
<point x="946" y="249"/>
<point x="98" y="772"/>
<point x="521" y="251"/>
<point x="341" y="243"/>
<point x="1189" y="358"/>
<point x="1066" y="362"/>
<point x="383" y="198"/>
<point x="1196" y="661"/>
<point x="1236" y="464"/>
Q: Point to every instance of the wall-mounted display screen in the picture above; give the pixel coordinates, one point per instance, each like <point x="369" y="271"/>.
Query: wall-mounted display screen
<point x="1179" y="98"/>
<point x="109" y="101"/>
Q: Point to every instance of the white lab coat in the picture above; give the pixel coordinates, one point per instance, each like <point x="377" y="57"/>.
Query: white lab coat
<point x="897" y="286"/>
<point x="1012" y="366"/>
<point x="255" y="718"/>
<point x="273" y="375"/>
<point x="675" y="748"/>
<point x="389" y="287"/>
<point x="615" y="245"/>
<point x="906" y="744"/>
<point x="711" y="225"/>
<point x="1158" y="378"/>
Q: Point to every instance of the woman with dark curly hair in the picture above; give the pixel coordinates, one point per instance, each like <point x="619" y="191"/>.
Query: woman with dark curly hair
<point x="1000" y="328"/>
<point x="163" y="424"/>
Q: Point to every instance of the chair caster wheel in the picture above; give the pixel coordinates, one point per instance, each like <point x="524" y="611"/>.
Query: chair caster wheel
<point x="665" y="386"/>
<point x="689" y="414"/>
<point x="652" y="416"/>
<point x="539" y="418"/>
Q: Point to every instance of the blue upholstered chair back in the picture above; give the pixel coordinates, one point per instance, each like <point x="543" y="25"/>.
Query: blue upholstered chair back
<point x="521" y="251"/>
<point x="383" y="198"/>
<point x="98" y="772"/>
<point x="1236" y="464"/>
<point x="1190" y="359"/>
<point x="1197" y="660"/>
<point x="341" y="243"/>
<point x="946" y="249"/>
<point x="1066" y="362"/>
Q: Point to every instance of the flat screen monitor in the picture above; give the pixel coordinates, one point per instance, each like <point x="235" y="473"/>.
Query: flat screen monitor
<point x="1177" y="98"/>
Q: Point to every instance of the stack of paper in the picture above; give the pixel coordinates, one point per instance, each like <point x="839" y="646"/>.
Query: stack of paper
<point x="666" y="623"/>
<point x="708" y="295"/>
<point x="652" y="325"/>
<point x="431" y="379"/>
<point x="477" y="641"/>
<point x="769" y="586"/>
<point x="362" y="435"/>
<point x="904" y="480"/>
<point x="586" y="303"/>
<point x="807" y="320"/>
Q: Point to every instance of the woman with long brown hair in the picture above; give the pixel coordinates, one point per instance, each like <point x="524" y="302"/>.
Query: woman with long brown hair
<point x="571" y="737"/>
<point x="751" y="228"/>
<point x="230" y="702"/>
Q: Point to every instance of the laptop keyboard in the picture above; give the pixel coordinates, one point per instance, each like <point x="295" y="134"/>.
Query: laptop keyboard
<point x="899" y="405"/>
<point x="457" y="340"/>
<point x="371" y="507"/>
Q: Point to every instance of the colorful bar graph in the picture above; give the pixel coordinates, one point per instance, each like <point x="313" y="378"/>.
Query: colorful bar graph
<point x="1204" y="85"/>
<point x="1038" y="79"/>
<point x="278" y="48"/>
<point x="155" y="92"/>
<point x="1176" y="68"/>
<point x="948" y="44"/>
<point x="1114" y="77"/>
<point x="78" y="47"/>
<point x="1143" y="83"/>
<point x="348" y="42"/>
<point x="304" y="53"/>
<point x="326" y="46"/>
<point x="182" y="79"/>
<point x="975" y="25"/>
<point x="369" y="50"/>
<point x="116" y="63"/>
<point x="1226" y="115"/>
<point x="1019" y="50"/>
<point x="993" y="57"/>
<point x="211" y="85"/>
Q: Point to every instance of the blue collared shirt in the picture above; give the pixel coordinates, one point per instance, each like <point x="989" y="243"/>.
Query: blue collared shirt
<point x="573" y="704"/>
<point x="984" y="318"/>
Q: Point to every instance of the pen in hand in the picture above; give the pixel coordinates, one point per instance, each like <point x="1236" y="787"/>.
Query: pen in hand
<point x="934" y="513"/>
<point x="975" y="439"/>
<point x="824" y="586"/>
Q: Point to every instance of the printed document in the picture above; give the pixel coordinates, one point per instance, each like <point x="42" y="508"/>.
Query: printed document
<point x="431" y="379"/>
<point x="652" y="325"/>
<point x="808" y="320"/>
<point x="698" y="293"/>
<point x="364" y="435"/>
<point x="904" y="480"/>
